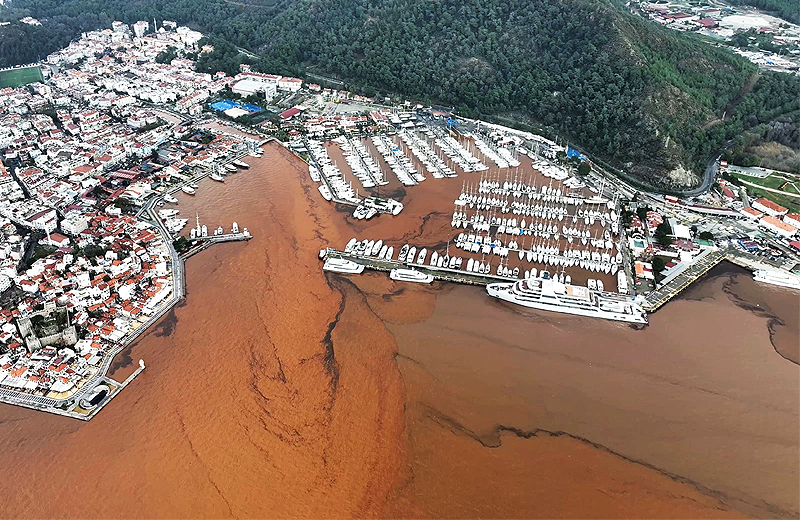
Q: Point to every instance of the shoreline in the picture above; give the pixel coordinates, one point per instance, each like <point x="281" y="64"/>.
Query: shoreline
<point x="66" y="406"/>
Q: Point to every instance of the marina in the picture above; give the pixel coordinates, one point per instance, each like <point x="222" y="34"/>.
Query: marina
<point x="512" y="221"/>
<point x="524" y="219"/>
<point x="410" y="266"/>
<point x="445" y="318"/>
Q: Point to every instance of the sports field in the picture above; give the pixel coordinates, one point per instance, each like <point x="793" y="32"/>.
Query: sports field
<point x="18" y="77"/>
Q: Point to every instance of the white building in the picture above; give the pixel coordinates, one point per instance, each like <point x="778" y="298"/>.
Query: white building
<point x="768" y="207"/>
<point x="140" y="28"/>
<point x="776" y="226"/>
<point x="45" y="220"/>
<point x="290" y="84"/>
<point x="248" y="87"/>
<point x="793" y="219"/>
<point x="74" y="224"/>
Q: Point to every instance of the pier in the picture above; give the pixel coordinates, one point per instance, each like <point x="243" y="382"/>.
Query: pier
<point x="652" y="302"/>
<point x="444" y="274"/>
<point x="117" y="388"/>
<point x="231" y="237"/>
<point x="207" y="241"/>
<point x="701" y="266"/>
<point x="681" y="281"/>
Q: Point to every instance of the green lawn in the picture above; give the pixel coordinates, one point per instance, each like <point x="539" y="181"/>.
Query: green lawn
<point x="18" y="77"/>
<point x="771" y="181"/>
<point x="793" y="188"/>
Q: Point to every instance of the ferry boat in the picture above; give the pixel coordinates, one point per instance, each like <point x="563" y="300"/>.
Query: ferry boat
<point x="776" y="277"/>
<point x="217" y="177"/>
<point x="549" y="295"/>
<point x="241" y="164"/>
<point x="340" y="265"/>
<point x="188" y="190"/>
<point x="167" y="213"/>
<point x="410" y="275"/>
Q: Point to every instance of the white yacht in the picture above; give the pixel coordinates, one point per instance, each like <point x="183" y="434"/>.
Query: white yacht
<point x="325" y="192"/>
<point x="314" y="172"/>
<point x="167" y="213"/>
<point x="777" y="277"/>
<point x="217" y="177"/>
<point x="410" y="275"/>
<point x="188" y="190"/>
<point x="549" y="295"/>
<point x="340" y="265"/>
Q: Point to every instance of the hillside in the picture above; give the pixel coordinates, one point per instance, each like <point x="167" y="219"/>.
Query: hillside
<point x="644" y="99"/>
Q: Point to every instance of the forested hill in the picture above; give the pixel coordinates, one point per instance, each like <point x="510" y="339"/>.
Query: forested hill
<point x="643" y="98"/>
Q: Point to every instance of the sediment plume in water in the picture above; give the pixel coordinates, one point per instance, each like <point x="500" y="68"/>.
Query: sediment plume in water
<point x="278" y="390"/>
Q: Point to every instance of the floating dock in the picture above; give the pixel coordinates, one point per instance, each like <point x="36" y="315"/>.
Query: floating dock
<point x="231" y="237"/>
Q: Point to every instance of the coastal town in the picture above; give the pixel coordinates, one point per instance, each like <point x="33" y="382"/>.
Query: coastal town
<point x="88" y="257"/>
<point x="122" y="121"/>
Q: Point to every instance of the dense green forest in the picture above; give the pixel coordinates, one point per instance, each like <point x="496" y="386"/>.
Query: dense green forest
<point x="645" y="99"/>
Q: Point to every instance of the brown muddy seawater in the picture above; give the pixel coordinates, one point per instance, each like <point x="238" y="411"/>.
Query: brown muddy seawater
<point x="277" y="390"/>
